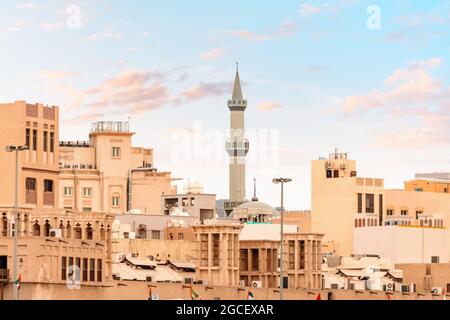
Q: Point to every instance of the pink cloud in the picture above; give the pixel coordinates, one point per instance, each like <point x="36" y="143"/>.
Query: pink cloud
<point x="203" y="90"/>
<point x="268" y="106"/>
<point x="213" y="54"/>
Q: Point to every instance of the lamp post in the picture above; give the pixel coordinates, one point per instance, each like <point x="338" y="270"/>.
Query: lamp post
<point x="282" y="181"/>
<point x="16" y="149"/>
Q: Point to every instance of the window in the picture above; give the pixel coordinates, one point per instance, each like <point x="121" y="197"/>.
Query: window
<point x="63" y="268"/>
<point x="92" y="270"/>
<point x="335" y="173"/>
<point x="180" y="236"/>
<point x="390" y="212"/>
<point x="370" y="203"/>
<point x="27" y="137"/>
<point x="85" y="209"/>
<point x="418" y="189"/>
<point x="156" y="235"/>
<point x="45" y="141"/>
<point x="404" y="212"/>
<point x="329" y="174"/>
<point x="116" y="152"/>
<point x="215" y="249"/>
<point x="34" y="140"/>
<point x="115" y="201"/>
<point x="434" y="259"/>
<point x="418" y="212"/>
<point x="85" y="269"/>
<point x="334" y="286"/>
<point x="380" y="208"/>
<point x="87" y="192"/>
<point x="30" y="184"/>
<point x="99" y="270"/>
<point x="52" y="142"/>
<point x="48" y="185"/>
<point x="68" y="191"/>
<point x="359" y="203"/>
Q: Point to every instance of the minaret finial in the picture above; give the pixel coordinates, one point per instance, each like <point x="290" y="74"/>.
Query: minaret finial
<point x="237" y="66"/>
<point x="255" y="198"/>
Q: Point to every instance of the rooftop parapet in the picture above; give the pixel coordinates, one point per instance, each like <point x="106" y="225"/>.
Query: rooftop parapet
<point x="110" y="126"/>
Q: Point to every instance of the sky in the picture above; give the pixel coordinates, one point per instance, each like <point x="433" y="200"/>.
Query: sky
<point x="371" y="78"/>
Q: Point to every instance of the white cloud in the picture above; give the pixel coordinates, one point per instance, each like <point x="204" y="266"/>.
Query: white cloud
<point x="213" y="54"/>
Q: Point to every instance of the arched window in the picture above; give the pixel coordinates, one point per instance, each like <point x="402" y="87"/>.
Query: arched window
<point x="68" y="230"/>
<point x="102" y="234"/>
<point x="77" y="231"/>
<point x="364" y="222"/>
<point x="421" y="223"/>
<point x="376" y="223"/>
<point x="36" y="229"/>
<point x="89" y="232"/>
<point x="47" y="228"/>
<point x="356" y="223"/>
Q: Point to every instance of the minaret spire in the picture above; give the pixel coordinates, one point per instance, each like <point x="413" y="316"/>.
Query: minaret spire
<point x="237" y="90"/>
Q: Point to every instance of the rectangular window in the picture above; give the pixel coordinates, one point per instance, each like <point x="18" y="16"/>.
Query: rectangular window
<point x="52" y="142"/>
<point x="99" y="270"/>
<point x="30" y="184"/>
<point x="215" y="249"/>
<point x="87" y="192"/>
<point x="335" y="173"/>
<point x="48" y="185"/>
<point x="78" y="263"/>
<point x="27" y="137"/>
<point x="86" y="209"/>
<point x="85" y="269"/>
<point x="329" y="174"/>
<point x="180" y="236"/>
<point x="302" y="255"/>
<point x="115" y="202"/>
<point x="370" y="203"/>
<point x="380" y="208"/>
<point x="116" y="152"/>
<point x="68" y="191"/>
<point x="390" y="212"/>
<point x="156" y="235"/>
<point x="434" y="259"/>
<point x="45" y="141"/>
<point x="404" y="212"/>
<point x="92" y="270"/>
<point x="359" y="202"/>
<point x="34" y="140"/>
<point x="63" y="268"/>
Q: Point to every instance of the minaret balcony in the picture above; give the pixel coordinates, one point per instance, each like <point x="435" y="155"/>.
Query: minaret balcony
<point x="237" y="105"/>
<point x="237" y="148"/>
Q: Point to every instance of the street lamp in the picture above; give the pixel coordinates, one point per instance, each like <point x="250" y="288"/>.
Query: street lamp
<point x="16" y="149"/>
<point x="282" y="181"/>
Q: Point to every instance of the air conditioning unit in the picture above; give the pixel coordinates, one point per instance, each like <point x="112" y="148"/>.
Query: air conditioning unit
<point x="256" y="284"/>
<point x="149" y="279"/>
<point x="389" y="287"/>
<point x="436" y="290"/>
<point x="188" y="281"/>
<point x="55" y="233"/>
<point x="242" y="283"/>
<point x="412" y="287"/>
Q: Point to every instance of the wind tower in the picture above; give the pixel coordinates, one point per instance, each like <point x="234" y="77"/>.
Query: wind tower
<point x="237" y="146"/>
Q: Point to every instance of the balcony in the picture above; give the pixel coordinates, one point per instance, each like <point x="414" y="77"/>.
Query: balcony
<point x="4" y="275"/>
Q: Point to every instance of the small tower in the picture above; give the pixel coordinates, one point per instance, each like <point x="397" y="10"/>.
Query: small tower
<point x="217" y="248"/>
<point x="237" y="146"/>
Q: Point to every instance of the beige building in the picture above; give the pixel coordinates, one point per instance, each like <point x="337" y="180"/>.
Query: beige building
<point x="341" y="201"/>
<point x="217" y="253"/>
<point x="429" y="182"/>
<point x="53" y="242"/>
<point x="108" y="174"/>
<point x="36" y="126"/>
<point x="427" y="277"/>
<point x="338" y="194"/>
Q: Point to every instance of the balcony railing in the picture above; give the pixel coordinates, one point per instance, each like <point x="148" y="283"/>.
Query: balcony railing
<point x="110" y="126"/>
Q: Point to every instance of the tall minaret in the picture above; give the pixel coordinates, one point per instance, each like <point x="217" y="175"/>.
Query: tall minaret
<point x="237" y="146"/>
